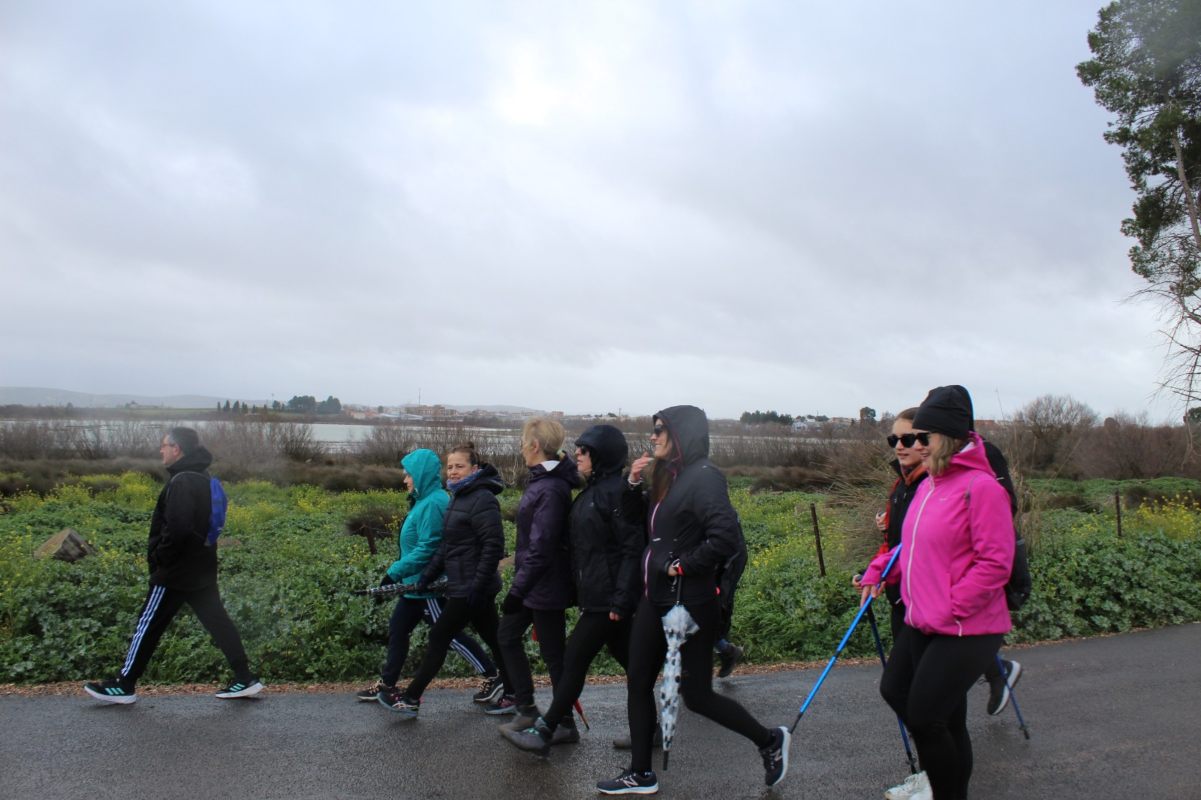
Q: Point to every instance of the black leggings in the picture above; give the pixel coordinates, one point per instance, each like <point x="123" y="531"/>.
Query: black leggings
<point x="648" y="647"/>
<point x="405" y="616"/>
<point x="551" y="628"/>
<point x="593" y="631"/>
<point x="161" y="606"/>
<point x="926" y="683"/>
<point x="456" y="614"/>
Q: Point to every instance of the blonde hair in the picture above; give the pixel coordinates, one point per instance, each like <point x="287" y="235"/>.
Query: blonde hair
<point x="548" y="433"/>
<point x="941" y="450"/>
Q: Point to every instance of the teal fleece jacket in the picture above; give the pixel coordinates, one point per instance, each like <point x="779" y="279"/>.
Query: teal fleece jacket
<point x="421" y="532"/>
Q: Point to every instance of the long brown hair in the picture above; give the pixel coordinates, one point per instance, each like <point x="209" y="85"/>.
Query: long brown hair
<point x="941" y="451"/>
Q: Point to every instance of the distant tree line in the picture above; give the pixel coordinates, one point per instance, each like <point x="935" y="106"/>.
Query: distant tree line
<point x="765" y="418"/>
<point x="299" y="404"/>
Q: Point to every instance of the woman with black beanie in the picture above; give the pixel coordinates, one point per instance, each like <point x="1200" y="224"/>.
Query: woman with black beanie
<point x="957" y="547"/>
<point x="604" y="566"/>
<point x="692" y="530"/>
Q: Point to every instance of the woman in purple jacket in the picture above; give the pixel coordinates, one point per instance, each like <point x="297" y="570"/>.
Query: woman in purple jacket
<point x="956" y="554"/>
<point x="541" y="589"/>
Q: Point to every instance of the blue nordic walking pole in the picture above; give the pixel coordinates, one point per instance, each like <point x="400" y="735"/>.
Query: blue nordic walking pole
<point x="871" y="618"/>
<point x="1013" y="698"/>
<point x="845" y="638"/>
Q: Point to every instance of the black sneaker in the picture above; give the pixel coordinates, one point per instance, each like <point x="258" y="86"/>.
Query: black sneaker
<point x="113" y="691"/>
<point x="406" y="707"/>
<point x="505" y="704"/>
<point x="372" y="694"/>
<point x="630" y="782"/>
<point x="728" y="659"/>
<point x="775" y="756"/>
<point x="998" y="686"/>
<point x="491" y="691"/>
<point x="241" y="688"/>
<point x="536" y="738"/>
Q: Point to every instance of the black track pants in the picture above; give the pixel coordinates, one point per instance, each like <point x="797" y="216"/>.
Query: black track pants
<point x="405" y="616"/>
<point x="456" y="615"/>
<point x="161" y="606"/>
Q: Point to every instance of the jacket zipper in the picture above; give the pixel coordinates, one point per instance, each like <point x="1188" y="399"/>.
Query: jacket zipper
<point x="912" y="547"/>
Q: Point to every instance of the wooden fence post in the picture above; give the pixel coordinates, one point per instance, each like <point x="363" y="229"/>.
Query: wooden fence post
<point x="817" y="537"/>
<point x="1117" y="505"/>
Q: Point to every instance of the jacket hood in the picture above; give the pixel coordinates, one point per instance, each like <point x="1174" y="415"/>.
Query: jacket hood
<point x="426" y="470"/>
<point x="196" y="461"/>
<point x="565" y="471"/>
<point x="972" y="456"/>
<point x="608" y="448"/>
<point x="486" y="477"/>
<point x="689" y="431"/>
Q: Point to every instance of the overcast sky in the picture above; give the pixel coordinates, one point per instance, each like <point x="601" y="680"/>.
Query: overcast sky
<point x="570" y="206"/>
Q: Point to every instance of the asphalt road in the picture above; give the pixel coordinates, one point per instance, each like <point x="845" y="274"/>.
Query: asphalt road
<point x="1110" y="718"/>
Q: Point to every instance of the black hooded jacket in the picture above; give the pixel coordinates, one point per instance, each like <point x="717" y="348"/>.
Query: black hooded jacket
<point x="176" y="552"/>
<point x="473" y="539"/>
<point x="605" y="546"/>
<point x="694" y="522"/>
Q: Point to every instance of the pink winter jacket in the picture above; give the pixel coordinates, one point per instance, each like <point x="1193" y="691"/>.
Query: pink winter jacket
<point x="956" y="551"/>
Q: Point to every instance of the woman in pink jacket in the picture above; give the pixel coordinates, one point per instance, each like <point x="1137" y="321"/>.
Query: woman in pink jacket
<point x="956" y="555"/>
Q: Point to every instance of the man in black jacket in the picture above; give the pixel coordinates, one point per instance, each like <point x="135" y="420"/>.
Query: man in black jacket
<point x="183" y="569"/>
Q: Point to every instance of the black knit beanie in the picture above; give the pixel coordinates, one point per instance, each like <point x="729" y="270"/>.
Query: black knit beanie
<point x="946" y="410"/>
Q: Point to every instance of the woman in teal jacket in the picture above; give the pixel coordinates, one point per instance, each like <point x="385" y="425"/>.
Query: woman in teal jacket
<point x="419" y="538"/>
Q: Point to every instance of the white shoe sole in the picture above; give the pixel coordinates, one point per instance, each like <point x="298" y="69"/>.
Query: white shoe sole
<point x="250" y="690"/>
<point x="784" y="751"/>
<point x="1011" y="681"/>
<point x="108" y="698"/>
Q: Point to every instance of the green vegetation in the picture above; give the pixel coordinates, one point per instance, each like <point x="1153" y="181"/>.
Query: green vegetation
<point x="288" y="562"/>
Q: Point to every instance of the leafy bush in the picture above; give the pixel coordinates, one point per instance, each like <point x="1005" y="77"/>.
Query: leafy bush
<point x="287" y="564"/>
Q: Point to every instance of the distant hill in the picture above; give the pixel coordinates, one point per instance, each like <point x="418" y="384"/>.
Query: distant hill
<point x="34" y="396"/>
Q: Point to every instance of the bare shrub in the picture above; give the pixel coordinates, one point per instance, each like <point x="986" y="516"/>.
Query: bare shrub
<point x="34" y="439"/>
<point x="386" y="444"/>
<point x="241" y="447"/>
<point x="1049" y="429"/>
<point x="294" y="441"/>
<point x="1125" y="447"/>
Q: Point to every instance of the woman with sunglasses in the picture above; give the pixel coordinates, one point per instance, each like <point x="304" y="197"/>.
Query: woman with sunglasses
<point x="957" y="545"/>
<point x="910" y="474"/>
<point x="692" y="530"/>
<point x="604" y="565"/>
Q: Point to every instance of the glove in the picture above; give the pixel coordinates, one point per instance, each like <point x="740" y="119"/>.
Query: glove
<point x="511" y="604"/>
<point x="387" y="581"/>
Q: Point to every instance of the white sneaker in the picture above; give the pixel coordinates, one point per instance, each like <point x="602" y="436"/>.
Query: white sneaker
<point x="915" y="787"/>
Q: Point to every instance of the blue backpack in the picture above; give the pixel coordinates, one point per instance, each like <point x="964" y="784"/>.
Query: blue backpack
<point x="217" y="515"/>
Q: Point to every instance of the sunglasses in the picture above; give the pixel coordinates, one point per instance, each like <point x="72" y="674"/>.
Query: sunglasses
<point x="907" y="439"/>
<point x="659" y="430"/>
<point x="583" y="450"/>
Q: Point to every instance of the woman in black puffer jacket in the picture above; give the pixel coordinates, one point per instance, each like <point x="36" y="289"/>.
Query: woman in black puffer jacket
<point x="604" y="565"/>
<point x="692" y="531"/>
<point x="473" y="542"/>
